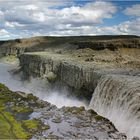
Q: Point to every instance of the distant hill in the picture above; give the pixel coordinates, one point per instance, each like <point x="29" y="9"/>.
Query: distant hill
<point x="111" y="42"/>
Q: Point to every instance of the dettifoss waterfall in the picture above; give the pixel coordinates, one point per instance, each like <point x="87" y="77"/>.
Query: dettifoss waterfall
<point x="118" y="99"/>
<point x="115" y="97"/>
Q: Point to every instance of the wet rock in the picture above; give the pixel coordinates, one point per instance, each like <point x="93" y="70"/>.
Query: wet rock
<point x="45" y="127"/>
<point x="51" y="77"/>
<point x="92" y="112"/>
<point x="135" y="138"/>
<point x="22" y="94"/>
<point x="57" y="119"/>
<point x="51" y="136"/>
<point x="32" y="97"/>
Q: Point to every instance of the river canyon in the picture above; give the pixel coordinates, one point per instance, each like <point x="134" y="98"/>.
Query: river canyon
<point x="99" y="74"/>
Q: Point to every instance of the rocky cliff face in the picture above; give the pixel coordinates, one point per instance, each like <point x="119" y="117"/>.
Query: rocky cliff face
<point x="18" y="46"/>
<point x="75" y="71"/>
<point x="112" y="44"/>
<point x="4" y="51"/>
<point x="67" y="71"/>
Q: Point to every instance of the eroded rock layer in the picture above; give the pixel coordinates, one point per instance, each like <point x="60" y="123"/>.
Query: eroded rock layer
<point x="81" y="69"/>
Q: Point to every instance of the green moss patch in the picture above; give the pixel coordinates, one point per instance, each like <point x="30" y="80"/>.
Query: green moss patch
<point x="99" y="118"/>
<point x="21" y="109"/>
<point x="92" y="112"/>
<point x="10" y="128"/>
<point x="34" y="125"/>
<point x="31" y="125"/>
<point x="14" y="115"/>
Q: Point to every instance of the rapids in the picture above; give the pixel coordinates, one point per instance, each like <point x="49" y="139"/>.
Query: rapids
<point x="117" y="98"/>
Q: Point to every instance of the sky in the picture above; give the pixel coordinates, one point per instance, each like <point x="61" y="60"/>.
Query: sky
<point x="28" y="18"/>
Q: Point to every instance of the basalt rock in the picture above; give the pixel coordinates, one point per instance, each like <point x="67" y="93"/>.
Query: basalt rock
<point x="57" y="67"/>
<point x="51" y="77"/>
<point x="75" y="72"/>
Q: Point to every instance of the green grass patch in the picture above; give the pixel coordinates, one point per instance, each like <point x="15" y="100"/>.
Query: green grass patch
<point x="10" y="128"/>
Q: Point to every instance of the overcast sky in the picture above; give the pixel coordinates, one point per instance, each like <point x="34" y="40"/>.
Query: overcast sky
<point x="26" y="18"/>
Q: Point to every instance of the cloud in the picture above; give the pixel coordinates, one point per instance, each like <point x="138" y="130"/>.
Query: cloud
<point x="24" y="18"/>
<point x="125" y="28"/>
<point x="131" y="26"/>
<point x="2" y="31"/>
<point x="1" y="16"/>
<point x="4" y="34"/>
<point x="46" y="18"/>
<point x="92" y="13"/>
<point x="133" y="11"/>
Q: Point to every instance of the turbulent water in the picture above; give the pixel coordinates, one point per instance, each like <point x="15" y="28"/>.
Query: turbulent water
<point x="115" y="97"/>
<point x="36" y="86"/>
<point x="118" y="98"/>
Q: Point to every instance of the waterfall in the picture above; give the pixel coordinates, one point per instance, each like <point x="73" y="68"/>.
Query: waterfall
<point x="117" y="98"/>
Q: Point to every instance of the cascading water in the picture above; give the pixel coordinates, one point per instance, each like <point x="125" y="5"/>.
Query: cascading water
<point x="36" y="86"/>
<point x="117" y="98"/>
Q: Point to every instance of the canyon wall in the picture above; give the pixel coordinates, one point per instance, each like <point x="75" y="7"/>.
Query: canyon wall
<point x="77" y="62"/>
<point x="68" y="72"/>
<point x="75" y="72"/>
<point x="4" y="51"/>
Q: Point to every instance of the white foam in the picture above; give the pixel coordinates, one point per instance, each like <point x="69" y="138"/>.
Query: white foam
<point x="117" y="98"/>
